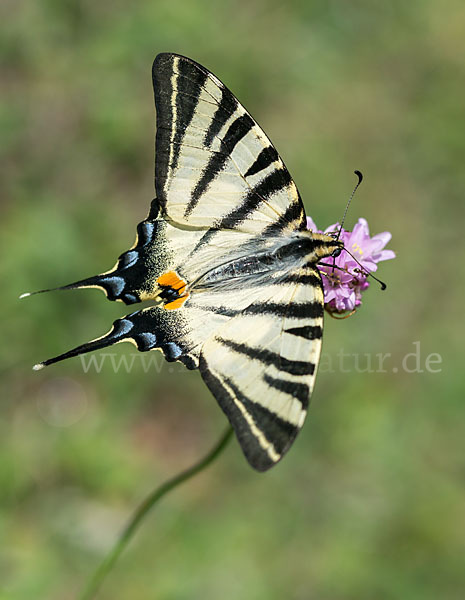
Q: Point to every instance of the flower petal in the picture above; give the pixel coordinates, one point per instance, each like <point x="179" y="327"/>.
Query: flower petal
<point x="385" y="255"/>
<point x="311" y="224"/>
<point x="343" y="286"/>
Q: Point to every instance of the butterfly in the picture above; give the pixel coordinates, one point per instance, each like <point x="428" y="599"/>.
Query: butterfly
<point x="227" y="261"/>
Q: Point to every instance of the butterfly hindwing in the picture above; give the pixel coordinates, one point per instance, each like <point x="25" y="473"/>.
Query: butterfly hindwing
<point x="261" y="366"/>
<point x="257" y="349"/>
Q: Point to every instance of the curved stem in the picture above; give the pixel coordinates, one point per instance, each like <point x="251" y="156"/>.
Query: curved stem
<point x="108" y="562"/>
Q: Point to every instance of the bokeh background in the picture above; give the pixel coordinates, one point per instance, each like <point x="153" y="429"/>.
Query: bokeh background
<point x="370" y="502"/>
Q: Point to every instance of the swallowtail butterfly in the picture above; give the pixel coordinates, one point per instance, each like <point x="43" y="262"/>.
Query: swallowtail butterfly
<point x="226" y="257"/>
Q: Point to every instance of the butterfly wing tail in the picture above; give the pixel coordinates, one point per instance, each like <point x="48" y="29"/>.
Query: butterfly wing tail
<point x="148" y="329"/>
<point x="118" y="333"/>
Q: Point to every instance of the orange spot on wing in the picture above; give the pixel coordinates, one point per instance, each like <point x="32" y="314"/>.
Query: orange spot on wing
<point x="171" y="279"/>
<point x="176" y="303"/>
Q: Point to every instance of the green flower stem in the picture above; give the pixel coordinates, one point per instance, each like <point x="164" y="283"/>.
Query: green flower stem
<point x="105" y="567"/>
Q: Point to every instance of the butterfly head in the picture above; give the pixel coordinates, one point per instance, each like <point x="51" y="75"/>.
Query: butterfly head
<point x="335" y="253"/>
<point x="325" y="245"/>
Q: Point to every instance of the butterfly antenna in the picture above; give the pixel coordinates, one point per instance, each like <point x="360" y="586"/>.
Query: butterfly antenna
<point x="360" y="179"/>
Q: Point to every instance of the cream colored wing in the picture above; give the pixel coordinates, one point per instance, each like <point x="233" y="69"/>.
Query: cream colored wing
<point x="214" y="166"/>
<point x="261" y="367"/>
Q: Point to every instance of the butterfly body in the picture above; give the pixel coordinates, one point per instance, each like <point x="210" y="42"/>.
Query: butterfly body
<point x="226" y="258"/>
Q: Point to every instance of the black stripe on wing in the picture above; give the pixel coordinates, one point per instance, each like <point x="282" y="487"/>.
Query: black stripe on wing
<point x="176" y="89"/>
<point x="269" y="358"/>
<point x="227" y="106"/>
<point x="192" y="81"/>
<point x="236" y="131"/>
<point x="308" y="332"/>
<point x="294" y="212"/>
<point x="302" y="310"/>
<point x="276" y="430"/>
<point x="266" y="157"/>
<point x="272" y="183"/>
<point x="162" y="72"/>
<point x="305" y="278"/>
<point x="299" y="391"/>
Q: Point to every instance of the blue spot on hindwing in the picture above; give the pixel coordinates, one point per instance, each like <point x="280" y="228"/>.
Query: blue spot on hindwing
<point x="115" y="285"/>
<point x="129" y="298"/>
<point x="172" y="351"/>
<point x="145" y="233"/>
<point x="122" y="327"/>
<point x="146" y="341"/>
<point x="128" y="259"/>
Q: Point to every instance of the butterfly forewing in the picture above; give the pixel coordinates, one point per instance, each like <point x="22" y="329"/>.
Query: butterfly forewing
<point x="215" y="167"/>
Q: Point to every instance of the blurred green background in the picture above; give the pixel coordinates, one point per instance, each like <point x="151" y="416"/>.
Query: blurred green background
<point x="370" y="502"/>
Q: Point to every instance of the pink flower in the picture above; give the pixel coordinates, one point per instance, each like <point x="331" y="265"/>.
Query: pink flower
<point x="343" y="286"/>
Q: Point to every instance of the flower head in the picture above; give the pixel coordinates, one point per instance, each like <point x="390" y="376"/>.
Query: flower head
<point x="343" y="286"/>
